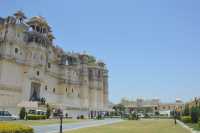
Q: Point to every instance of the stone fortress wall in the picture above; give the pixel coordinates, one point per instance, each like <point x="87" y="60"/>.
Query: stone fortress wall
<point x="32" y="67"/>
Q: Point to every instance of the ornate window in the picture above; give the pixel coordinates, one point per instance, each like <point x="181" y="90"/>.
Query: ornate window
<point x="49" y="65"/>
<point x="66" y="89"/>
<point x="72" y="90"/>
<point x="46" y="88"/>
<point x="16" y="50"/>
<point x="90" y="74"/>
<point x="54" y="90"/>
<point x="38" y="73"/>
<point x="99" y="73"/>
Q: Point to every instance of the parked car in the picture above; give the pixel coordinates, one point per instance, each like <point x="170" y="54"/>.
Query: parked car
<point x="140" y="115"/>
<point x="5" y="115"/>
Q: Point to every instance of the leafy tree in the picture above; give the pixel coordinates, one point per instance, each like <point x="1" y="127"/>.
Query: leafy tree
<point x="22" y="113"/>
<point x="48" y="111"/>
<point x="195" y="114"/>
<point x="133" y="116"/>
<point x="119" y="109"/>
<point x="186" y="111"/>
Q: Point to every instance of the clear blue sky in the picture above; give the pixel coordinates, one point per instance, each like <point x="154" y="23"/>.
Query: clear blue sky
<point x="151" y="47"/>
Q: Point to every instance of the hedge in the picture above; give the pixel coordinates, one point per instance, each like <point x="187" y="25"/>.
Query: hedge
<point x="186" y="119"/>
<point x="14" y="128"/>
<point x="36" y="117"/>
<point x="199" y="124"/>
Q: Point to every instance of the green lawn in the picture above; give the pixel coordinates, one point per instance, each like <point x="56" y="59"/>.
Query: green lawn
<point x="194" y="126"/>
<point x="42" y="122"/>
<point x="141" y="126"/>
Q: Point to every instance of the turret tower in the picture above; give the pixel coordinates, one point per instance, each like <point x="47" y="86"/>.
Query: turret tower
<point x="84" y="89"/>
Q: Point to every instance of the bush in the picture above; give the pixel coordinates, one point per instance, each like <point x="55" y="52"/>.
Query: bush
<point x="36" y="117"/>
<point x="22" y="113"/>
<point x="195" y="115"/>
<point x="14" y="128"/>
<point x="133" y="116"/>
<point x="48" y="111"/>
<point x="99" y="117"/>
<point x="186" y="119"/>
<point x="199" y="124"/>
<point x="82" y="117"/>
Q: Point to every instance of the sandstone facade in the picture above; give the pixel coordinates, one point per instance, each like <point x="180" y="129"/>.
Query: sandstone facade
<point x="32" y="67"/>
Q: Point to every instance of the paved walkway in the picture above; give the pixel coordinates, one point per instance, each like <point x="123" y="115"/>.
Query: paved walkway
<point x="54" y="128"/>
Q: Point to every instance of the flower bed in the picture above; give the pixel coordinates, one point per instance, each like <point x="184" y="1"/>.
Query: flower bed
<point x="14" y="128"/>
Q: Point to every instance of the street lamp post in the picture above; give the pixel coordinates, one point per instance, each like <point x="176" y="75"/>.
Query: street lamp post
<point x="61" y="118"/>
<point x="175" y="116"/>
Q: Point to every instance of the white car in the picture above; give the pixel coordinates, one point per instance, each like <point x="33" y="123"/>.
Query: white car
<point x="37" y="112"/>
<point x="5" y="115"/>
<point x="140" y="115"/>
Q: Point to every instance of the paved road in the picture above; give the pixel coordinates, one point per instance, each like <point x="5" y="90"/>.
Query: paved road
<point x="54" y="128"/>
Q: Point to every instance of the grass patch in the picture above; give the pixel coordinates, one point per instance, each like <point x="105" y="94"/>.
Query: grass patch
<point x="141" y="126"/>
<point x="194" y="126"/>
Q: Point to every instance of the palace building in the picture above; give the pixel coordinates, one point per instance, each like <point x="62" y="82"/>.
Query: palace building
<point x="33" y="69"/>
<point x="153" y="105"/>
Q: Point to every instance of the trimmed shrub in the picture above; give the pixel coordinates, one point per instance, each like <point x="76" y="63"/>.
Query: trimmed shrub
<point x="22" y="113"/>
<point x="82" y="117"/>
<point x="186" y="119"/>
<point x="14" y="128"/>
<point x="36" y="117"/>
<point x="199" y="124"/>
<point x="99" y="117"/>
<point x="195" y="115"/>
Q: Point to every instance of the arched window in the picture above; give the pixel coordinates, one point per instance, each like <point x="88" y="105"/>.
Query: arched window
<point x="16" y="50"/>
<point x="30" y="29"/>
<point x="54" y="90"/>
<point x="38" y="29"/>
<point x="90" y="74"/>
<point x="45" y="87"/>
<point x="44" y="30"/>
<point x="72" y="90"/>
<point x="49" y="65"/>
<point x="66" y="89"/>
<point x="38" y="73"/>
<point x="99" y="73"/>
